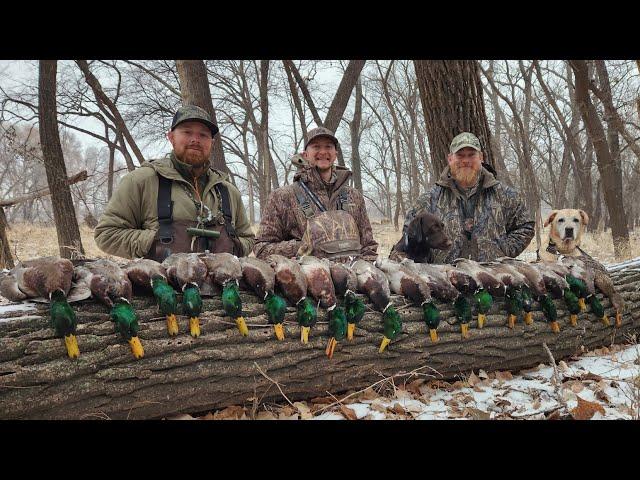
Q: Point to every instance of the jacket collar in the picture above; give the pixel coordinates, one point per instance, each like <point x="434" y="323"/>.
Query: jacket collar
<point x="165" y="167"/>
<point x="487" y="179"/>
<point x="310" y="175"/>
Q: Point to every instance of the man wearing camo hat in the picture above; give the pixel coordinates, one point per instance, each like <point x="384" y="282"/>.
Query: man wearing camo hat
<point x="319" y="214"/>
<point x="484" y="218"/>
<point x="154" y="206"/>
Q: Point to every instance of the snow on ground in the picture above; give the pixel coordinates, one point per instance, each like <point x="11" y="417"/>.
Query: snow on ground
<point x="6" y="308"/>
<point x="601" y="384"/>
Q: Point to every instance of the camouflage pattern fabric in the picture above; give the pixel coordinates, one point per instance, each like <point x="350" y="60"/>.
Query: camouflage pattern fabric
<point x="284" y="223"/>
<point x="502" y="224"/>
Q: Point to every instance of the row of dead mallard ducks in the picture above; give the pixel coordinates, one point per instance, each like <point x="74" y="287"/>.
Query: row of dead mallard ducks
<point x="467" y="284"/>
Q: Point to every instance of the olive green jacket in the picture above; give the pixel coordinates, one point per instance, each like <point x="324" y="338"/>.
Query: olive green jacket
<point x="129" y="224"/>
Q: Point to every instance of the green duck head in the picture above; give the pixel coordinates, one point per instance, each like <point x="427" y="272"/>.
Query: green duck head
<point x="337" y="328"/>
<point x="167" y="301"/>
<point x="276" y="308"/>
<point x="462" y="310"/>
<point x="484" y="301"/>
<point x="232" y="305"/>
<point x="550" y="312"/>
<point x="63" y="321"/>
<point x="126" y="323"/>
<point x="392" y="324"/>
<point x="192" y="307"/>
<point x="431" y="316"/>
<point x="598" y="310"/>
<point x="354" y="308"/>
<point x="573" y="305"/>
<point x="306" y="316"/>
<point x="513" y="302"/>
<point x="527" y="305"/>
<point x="579" y="288"/>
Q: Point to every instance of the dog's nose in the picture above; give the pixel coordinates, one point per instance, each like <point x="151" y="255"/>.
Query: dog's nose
<point x="568" y="232"/>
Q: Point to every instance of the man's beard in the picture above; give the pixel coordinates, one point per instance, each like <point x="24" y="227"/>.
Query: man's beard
<point x="465" y="175"/>
<point x="195" y="158"/>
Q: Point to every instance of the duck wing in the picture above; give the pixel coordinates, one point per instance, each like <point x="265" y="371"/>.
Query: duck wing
<point x="460" y="279"/>
<point x="438" y="282"/>
<point x="579" y="270"/>
<point x="555" y="283"/>
<point x="106" y="280"/>
<point x="319" y="281"/>
<point x="141" y="271"/>
<point x="289" y="277"/>
<point x="258" y="275"/>
<point x="404" y="281"/>
<point x="507" y="274"/>
<point x="9" y="288"/>
<point x="534" y="277"/>
<point x="343" y="278"/>
<point x="484" y="277"/>
<point x="372" y="282"/>
<point x="183" y="268"/>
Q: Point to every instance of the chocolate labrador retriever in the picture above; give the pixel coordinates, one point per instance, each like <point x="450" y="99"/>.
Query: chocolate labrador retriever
<point x="425" y="232"/>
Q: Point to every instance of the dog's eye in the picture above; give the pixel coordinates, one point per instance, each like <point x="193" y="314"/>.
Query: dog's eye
<point x="575" y="220"/>
<point x="561" y="220"/>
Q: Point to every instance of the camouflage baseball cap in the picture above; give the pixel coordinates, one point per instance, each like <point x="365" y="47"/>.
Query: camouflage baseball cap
<point x="195" y="114"/>
<point x="320" y="132"/>
<point x="465" y="139"/>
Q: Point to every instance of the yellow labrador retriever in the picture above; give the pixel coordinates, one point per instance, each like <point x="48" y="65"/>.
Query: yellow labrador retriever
<point x="565" y="234"/>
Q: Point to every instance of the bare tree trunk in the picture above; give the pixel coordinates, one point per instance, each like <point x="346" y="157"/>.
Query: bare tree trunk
<point x="194" y="90"/>
<point x="264" y="135"/>
<point x="355" y="138"/>
<point x="6" y="259"/>
<point x="64" y="213"/>
<point x="610" y="172"/>
<point x="296" y="100"/>
<point x="222" y="368"/>
<point x="343" y="94"/>
<point x="452" y="102"/>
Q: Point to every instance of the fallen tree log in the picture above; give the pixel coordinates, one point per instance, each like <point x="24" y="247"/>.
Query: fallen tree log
<point x="222" y="368"/>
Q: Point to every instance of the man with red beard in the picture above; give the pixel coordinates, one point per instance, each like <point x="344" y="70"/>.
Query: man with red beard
<point x="154" y="206"/>
<point x="484" y="218"/>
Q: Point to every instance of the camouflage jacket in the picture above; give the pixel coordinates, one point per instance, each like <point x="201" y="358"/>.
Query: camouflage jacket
<point x="283" y="222"/>
<point x="502" y="224"/>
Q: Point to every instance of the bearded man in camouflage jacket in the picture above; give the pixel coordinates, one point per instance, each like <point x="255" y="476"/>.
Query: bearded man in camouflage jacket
<point x="319" y="197"/>
<point x="484" y="218"/>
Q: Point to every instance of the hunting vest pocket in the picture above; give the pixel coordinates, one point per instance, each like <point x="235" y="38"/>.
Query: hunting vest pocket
<point x="330" y="235"/>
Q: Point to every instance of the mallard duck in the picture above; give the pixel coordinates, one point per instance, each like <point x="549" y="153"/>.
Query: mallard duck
<point x="573" y="305"/>
<point x="406" y="282"/>
<point x="261" y="279"/>
<point x="148" y="274"/>
<point x="46" y="279"/>
<point x="337" y="329"/>
<point x="550" y="312"/>
<point x="373" y="283"/>
<point x="392" y="324"/>
<point x="514" y="282"/>
<point x="188" y="273"/>
<point x="462" y="310"/>
<point x="225" y="271"/>
<point x="110" y="285"/>
<point x="484" y="301"/>
<point x="535" y="285"/>
<point x="319" y="281"/>
<point x="293" y="284"/>
<point x="345" y="282"/>
<point x="580" y="279"/>
<point x="437" y="279"/>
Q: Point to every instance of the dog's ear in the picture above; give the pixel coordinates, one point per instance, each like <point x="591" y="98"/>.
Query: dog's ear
<point x="414" y="232"/>
<point x="584" y="217"/>
<point x="552" y="215"/>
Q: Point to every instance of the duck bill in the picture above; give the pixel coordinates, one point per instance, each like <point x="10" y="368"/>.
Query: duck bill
<point x="618" y="319"/>
<point x="242" y="326"/>
<point x="304" y="334"/>
<point x="136" y="347"/>
<point x="528" y="318"/>
<point x="383" y="344"/>
<point x="72" y="346"/>
<point x="573" y="318"/>
<point x="172" y="324"/>
<point x="605" y="321"/>
<point x="351" y="327"/>
<point x="331" y="346"/>
<point x="194" y="327"/>
<point x="481" y="319"/>
<point x="555" y="327"/>
<point x="279" y="329"/>
<point x="512" y="321"/>
<point x="433" y="334"/>
<point x="583" y="305"/>
<point x="464" y="328"/>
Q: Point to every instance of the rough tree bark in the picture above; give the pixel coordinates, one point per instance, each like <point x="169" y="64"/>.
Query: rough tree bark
<point x="610" y="171"/>
<point x="452" y="102"/>
<point x="194" y="90"/>
<point x="64" y="213"/>
<point x="354" y="127"/>
<point x="220" y="368"/>
<point x="6" y="259"/>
